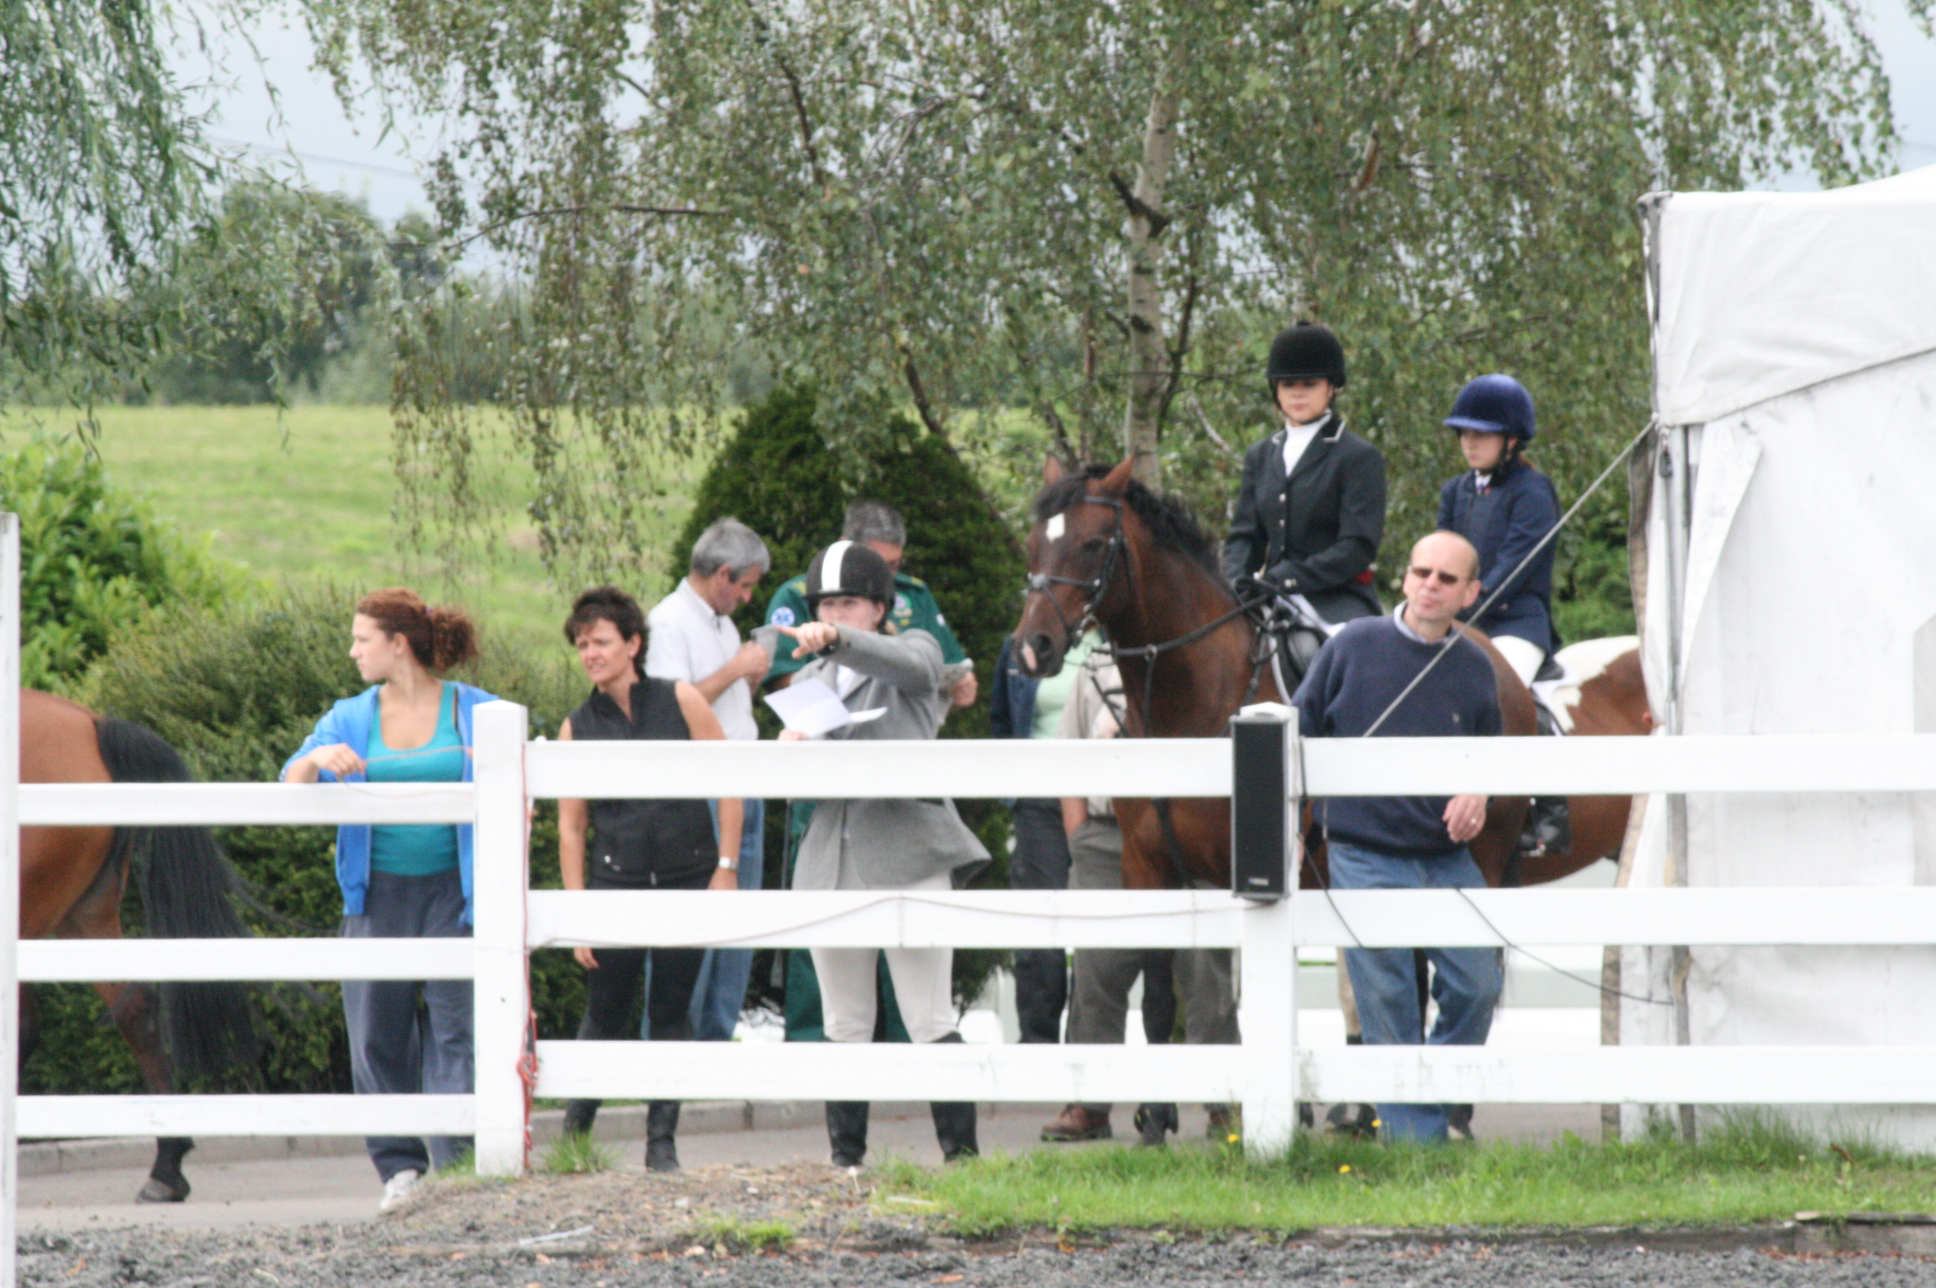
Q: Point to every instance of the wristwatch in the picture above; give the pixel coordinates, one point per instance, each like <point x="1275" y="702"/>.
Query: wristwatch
<point x="730" y="862"/>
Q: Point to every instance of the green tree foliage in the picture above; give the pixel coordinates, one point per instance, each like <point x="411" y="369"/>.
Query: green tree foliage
<point x="274" y="286"/>
<point x="95" y="561"/>
<point x="1099" y="212"/>
<point x="237" y="689"/>
<point x="98" y="171"/>
<point x="775" y="475"/>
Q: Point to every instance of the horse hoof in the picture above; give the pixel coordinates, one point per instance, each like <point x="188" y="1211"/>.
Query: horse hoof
<point x="160" y="1191"/>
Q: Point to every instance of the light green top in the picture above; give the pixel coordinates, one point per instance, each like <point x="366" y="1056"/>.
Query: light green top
<point x="1053" y="693"/>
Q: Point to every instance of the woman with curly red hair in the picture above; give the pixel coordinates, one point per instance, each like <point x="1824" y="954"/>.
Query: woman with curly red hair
<point x="399" y="882"/>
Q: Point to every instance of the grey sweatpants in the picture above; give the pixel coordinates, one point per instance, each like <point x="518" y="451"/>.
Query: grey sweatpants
<point x="394" y="1048"/>
<point x="1099" y="1009"/>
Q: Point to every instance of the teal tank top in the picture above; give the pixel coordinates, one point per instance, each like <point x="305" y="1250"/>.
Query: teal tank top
<point x="417" y="849"/>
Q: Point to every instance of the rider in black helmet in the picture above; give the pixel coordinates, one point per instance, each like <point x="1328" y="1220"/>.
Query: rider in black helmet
<point x="1311" y="507"/>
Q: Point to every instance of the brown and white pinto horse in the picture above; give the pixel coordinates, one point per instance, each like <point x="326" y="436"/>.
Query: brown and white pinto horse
<point x="1103" y="548"/>
<point x="71" y="883"/>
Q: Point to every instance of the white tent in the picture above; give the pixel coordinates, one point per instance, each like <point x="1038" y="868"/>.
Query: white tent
<point x="1791" y="588"/>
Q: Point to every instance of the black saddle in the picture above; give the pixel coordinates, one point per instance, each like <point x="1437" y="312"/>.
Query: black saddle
<point x="1294" y="643"/>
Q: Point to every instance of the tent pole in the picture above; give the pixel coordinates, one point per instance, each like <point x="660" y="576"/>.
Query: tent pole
<point x="1677" y="476"/>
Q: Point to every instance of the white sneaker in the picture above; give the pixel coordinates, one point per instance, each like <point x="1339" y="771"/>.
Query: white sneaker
<point x="398" y="1189"/>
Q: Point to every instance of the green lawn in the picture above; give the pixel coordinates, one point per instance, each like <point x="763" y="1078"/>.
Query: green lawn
<point x="1748" y="1173"/>
<point x="309" y="495"/>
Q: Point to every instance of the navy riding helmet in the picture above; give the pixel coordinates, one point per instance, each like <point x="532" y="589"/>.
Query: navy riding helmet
<point x="1494" y="404"/>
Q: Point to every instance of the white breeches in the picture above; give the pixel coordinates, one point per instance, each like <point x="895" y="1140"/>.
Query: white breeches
<point x="923" y="985"/>
<point x="1523" y="656"/>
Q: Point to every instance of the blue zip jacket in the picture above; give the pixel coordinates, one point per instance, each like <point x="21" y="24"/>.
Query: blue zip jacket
<point x="1011" y="705"/>
<point x="349" y="722"/>
<point x="1504" y="522"/>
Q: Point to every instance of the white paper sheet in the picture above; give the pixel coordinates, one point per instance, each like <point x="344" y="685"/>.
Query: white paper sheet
<point x="808" y="706"/>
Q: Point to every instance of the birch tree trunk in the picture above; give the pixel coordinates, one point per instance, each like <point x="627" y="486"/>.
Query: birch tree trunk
<point x="1148" y="372"/>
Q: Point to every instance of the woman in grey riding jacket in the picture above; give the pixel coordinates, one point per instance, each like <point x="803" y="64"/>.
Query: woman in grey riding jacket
<point x="880" y="844"/>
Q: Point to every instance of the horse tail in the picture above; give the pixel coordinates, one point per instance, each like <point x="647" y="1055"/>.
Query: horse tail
<point x="187" y="889"/>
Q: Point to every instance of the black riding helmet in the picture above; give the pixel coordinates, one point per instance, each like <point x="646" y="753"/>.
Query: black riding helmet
<point x="1307" y="351"/>
<point x="849" y="568"/>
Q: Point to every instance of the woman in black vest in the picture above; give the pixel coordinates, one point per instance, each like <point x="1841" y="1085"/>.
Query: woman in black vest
<point x="638" y="844"/>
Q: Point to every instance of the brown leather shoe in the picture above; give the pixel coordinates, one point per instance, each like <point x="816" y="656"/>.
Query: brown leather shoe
<point x="1078" y="1123"/>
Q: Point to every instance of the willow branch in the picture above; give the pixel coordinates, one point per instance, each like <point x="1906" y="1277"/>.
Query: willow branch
<point x="551" y="212"/>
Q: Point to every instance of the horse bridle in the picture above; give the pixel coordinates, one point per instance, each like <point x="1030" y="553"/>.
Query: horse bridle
<point x="1040" y="582"/>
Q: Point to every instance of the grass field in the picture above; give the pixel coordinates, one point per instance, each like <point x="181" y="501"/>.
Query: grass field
<point x="1752" y="1171"/>
<point x="309" y="495"/>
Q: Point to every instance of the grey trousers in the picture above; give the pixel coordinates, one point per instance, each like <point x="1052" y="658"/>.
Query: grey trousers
<point x="1099" y="1005"/>
<point x="396" y="1049"/>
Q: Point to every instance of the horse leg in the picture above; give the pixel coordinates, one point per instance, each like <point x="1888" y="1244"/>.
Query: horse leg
<point x="29" y="1024"/>
<point x="135" y="1010"/>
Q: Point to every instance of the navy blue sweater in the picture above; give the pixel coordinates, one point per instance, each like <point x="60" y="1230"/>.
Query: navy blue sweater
<point x="1352" y="680"/>
<point x="1504" y="523"/>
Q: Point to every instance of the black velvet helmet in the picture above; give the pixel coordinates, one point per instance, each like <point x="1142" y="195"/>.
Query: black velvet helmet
<point x="849" y="568"/>
<point x="1306" y="351"/>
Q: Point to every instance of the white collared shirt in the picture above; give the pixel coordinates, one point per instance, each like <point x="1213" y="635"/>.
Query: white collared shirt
<point x="689" y="641"/>
<point x="1405" y="627"/>
<point x="1297" y="438"/>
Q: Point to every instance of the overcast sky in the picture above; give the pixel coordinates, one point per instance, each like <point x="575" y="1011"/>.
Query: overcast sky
<point x="336" y="153"/>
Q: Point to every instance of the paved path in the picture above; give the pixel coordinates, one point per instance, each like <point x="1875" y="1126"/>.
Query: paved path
<point x="341" y="1188"/>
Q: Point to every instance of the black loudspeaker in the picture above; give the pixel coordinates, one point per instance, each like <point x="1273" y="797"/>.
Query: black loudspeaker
<point x="1260" y="860"/>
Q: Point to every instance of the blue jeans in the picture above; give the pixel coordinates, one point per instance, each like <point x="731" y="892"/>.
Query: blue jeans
<point x="1465" y="981"/>
<point x="720" y="994"/>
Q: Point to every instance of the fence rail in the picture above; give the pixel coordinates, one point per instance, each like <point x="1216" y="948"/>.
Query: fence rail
<point x="1269" y="1073"/>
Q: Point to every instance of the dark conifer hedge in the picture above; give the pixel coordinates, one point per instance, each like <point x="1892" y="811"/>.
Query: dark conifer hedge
<point x="777" y="476"/>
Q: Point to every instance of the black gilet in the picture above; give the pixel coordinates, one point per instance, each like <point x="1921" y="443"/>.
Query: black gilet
<point x="644" y="842"/>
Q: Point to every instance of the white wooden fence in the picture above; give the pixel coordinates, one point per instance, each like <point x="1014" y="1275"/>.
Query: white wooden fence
<point x="1269" y="1074"/>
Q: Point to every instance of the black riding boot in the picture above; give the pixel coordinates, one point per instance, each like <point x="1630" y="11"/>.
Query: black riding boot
<point x="847" y="1131"/>
<point x="954" y="1129"/>
<point x="661" y="1123"/>
<point x="1548" y="829"/>
<point x="1154" y="1122"/>
<point x="579" y="1115"/>
<point x="954" y="1123"/>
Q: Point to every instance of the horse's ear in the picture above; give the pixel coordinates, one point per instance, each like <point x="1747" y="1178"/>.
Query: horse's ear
<point x="1051" y="469"/>
<point x="1116" y="482"/>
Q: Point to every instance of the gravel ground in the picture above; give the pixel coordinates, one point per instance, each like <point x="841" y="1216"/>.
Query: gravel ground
<point x="804" y="1224"/>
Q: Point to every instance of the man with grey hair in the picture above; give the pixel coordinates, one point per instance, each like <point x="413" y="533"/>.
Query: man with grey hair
<point x="691" y="637"/>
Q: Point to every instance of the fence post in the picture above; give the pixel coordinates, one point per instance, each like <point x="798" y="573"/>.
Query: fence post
<point x="502" y="992"/>
<point x="9" y="887"/>
<point x="1266" y="802"/>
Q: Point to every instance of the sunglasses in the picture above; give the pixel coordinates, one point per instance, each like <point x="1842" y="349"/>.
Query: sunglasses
<point x="1428" y="574"/>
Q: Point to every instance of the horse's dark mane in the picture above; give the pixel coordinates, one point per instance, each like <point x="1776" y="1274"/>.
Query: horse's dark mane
<point x="1170" y="525"/>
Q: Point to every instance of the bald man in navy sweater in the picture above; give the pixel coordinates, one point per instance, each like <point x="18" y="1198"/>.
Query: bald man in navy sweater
<point x="1410" y="842"/>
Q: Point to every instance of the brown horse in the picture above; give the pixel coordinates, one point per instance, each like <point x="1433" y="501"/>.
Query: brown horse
<point x="1104" y="548"/>
<point x="71" y="884"/>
